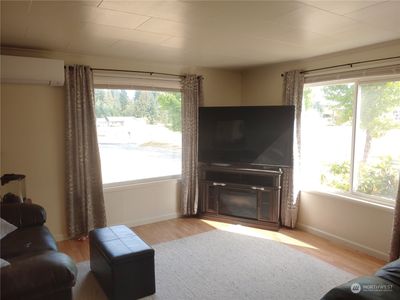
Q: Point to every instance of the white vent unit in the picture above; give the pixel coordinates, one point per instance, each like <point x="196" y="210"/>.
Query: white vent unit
<point x="31" y="70"/>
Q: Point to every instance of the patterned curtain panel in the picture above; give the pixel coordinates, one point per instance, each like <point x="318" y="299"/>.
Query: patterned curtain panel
<point x="85" y="202"/>
<point x="292" y="95"/>
<point x="395" y="246"/>
<point x="192" y="97"/>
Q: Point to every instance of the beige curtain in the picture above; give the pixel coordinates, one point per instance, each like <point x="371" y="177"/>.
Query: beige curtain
<point x="293" y="83"/>
<point x="395" y="245"/>
<point x="85" y="203"/>
<point x="192" y="97"/>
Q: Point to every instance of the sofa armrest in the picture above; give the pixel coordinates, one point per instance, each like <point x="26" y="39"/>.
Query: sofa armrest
<point x="364" y="288"/>
<point x="36" y="276"/>
<point x="23" y="214"/>
<point x="390" y="272"/>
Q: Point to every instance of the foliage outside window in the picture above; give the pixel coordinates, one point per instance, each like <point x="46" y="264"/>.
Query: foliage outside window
<point x="139" y="134"/>
<point x="351" y="138"/>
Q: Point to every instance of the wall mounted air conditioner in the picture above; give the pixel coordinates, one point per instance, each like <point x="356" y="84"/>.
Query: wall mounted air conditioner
<point x="31" y="70"/>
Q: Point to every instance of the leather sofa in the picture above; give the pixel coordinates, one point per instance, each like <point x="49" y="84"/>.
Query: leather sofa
<point x="37" y="270"/>
<point x="384" y="285"/>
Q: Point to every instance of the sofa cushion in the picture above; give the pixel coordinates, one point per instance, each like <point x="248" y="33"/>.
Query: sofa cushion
<point x="35" y="276"/>
<point x="23" y="214"/>
<point x="27" y="240"/>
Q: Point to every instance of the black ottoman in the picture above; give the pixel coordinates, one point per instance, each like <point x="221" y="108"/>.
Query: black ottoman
<point x="122" y="263"/>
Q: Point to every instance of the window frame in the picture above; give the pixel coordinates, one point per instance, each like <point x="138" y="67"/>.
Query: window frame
<point x="351" y="194"/>
<point x="120" y="185"/>
<point x="126" y="183"/>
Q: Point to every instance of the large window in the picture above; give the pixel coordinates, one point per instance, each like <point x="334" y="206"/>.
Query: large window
<point x="351" y="138"/>
<point x="139" y="134"/>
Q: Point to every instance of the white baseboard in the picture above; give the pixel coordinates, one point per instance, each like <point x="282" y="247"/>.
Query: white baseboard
<point x="345" y="242"/>
<point x="143" y="221"/>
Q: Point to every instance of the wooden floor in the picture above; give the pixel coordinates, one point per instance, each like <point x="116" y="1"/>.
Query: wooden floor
<point x="347" y="259"/>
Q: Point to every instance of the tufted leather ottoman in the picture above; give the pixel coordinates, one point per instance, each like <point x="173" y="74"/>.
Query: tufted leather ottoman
<point x="122" y="263"/>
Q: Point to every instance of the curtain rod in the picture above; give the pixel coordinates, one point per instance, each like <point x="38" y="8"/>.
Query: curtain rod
<point x="140" y="72"/>
<point x="348" y="64"/>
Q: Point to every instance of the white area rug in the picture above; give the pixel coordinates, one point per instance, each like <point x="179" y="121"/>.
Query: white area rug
<point x="224" y="265"/>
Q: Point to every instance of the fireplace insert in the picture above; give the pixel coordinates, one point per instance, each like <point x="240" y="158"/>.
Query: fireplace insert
<point x="241" y="195"/>
<point x="237" y="203"/>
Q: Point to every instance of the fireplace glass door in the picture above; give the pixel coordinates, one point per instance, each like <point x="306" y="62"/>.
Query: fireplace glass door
<point x="238" y="203"/>
<point x="267" y="206"/>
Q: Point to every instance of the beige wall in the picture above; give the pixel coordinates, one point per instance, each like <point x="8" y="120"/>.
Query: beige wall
<point x="360" y="226"/>
<point x="32" y="133"/>
<point x="263" y="85"/>
<point x="142" y="203"/>
<point x="221" y="88"/>
<point x="32" y="142"/>
<point x="355" y="224"/>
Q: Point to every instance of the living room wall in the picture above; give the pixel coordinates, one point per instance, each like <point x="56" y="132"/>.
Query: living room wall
<point x="32" y="141"/>
<point x="354" y="223"/>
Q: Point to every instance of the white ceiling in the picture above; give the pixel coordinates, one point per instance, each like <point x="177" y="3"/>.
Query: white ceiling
<point x="199" y="33"/>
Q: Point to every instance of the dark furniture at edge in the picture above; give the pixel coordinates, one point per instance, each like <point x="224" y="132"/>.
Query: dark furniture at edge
<point x="384" y="285"/>
<point x="37" y="270"/>
<point x="122" y="263"/>
<point x="249" y="196"/>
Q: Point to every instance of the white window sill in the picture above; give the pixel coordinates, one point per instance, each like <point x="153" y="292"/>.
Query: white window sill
<point x="353" y="199"/>
<point x="127" y="185"/>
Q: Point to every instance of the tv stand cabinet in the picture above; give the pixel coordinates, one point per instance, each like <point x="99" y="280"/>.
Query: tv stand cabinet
<point x="248" y="196"/>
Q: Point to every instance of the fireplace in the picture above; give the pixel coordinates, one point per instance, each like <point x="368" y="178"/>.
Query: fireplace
<point x="241" y="195"/>
<point x="238" y="203"/>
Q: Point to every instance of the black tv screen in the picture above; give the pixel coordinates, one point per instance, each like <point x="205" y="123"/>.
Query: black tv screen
<point x="256" y="135"/>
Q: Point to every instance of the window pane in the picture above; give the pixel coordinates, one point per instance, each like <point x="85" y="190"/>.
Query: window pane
<point x="377" y="149"/>
<point x="326" y="136"/>
<point x="139" y="134"/>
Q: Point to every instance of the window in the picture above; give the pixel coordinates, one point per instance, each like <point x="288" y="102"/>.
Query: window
<point x="139" y="133"/>
<point x="351" y="138"/>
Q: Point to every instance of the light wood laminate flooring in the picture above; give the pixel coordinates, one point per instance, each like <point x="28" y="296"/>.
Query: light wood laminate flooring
<point x="344" y="258"/>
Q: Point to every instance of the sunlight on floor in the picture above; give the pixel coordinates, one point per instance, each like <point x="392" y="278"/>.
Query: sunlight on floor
<point x="260" y="233"/>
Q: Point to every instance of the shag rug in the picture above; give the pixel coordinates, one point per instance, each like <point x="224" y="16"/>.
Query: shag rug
<point x="224" y="265"/>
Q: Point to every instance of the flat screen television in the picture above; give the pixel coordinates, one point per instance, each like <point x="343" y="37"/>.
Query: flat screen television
<point x="246" y="135"/>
